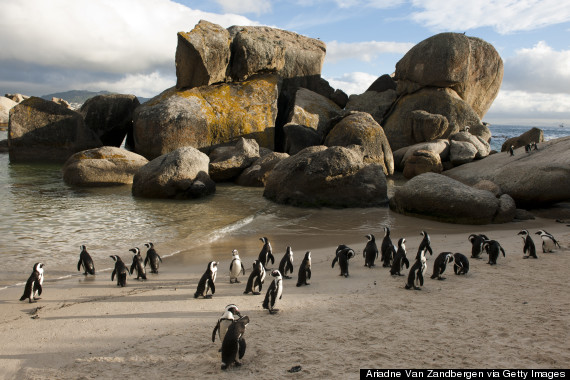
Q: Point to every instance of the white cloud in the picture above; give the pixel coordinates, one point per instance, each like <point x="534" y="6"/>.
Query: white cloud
<point x="364" y="51"/>
<point x="505" y="16"/>
<point x="245" y="6"/>
<point x="352" y="83"/>
<point x="381" y="4"/>
<point x="145" y="85"/>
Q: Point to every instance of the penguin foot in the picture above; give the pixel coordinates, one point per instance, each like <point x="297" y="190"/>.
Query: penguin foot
<point x="33" y="300"/>
<point x="255" y="293"/>
<point x="408" y="286"/>
<point x="416" y="288"/>
<point x="237" y="281"/>
<point x="273" y="311"/>
<point x="208" y="296"/>
<point x="526" y="257"/>
<point x="287" y="277"/>
<point x="238" y="364"/>
<point x="441" y="278"/>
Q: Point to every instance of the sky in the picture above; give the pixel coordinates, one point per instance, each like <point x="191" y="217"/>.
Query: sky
<point x="128" y="46"/>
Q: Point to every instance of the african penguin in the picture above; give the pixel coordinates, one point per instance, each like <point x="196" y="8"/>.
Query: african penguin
<point x="286" y="264"/>
<point x="207" y="281"/>
<point x="387" y="249"/>
<point x="549" y="243"/>
<point x="370" y="252"/>
<point x="256" y="279"/>
<point x="440" y="264"/>
<point x="152" y="258"/>
<point x="512" y="150"/>
<point x="274" y="292"/>
<point x="33" y="288"/>
<point x="85" y="261"/>
<point x="234" y="343"/>
<point x="236" y="267"/>
<point x="425" y="245"/>
<point x="529" y="247"/>
<point x="400" y="259"/>
<point x="138" y="264"/>
<point x="460" y="264"/>
<point x="343" y="254"/>
<point x="266" y="253"/>
<point x="305" y="270"/>
<point x="477" y="242"/>
<point x="528" y="148"/>
<point x="225" y="321"/>
<point x="416" y="274"/>
<point x="493" y="248"/>
<point x="120" y="271"/>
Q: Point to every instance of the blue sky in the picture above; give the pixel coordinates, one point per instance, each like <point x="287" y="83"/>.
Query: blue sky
<point x="128" y="46"/>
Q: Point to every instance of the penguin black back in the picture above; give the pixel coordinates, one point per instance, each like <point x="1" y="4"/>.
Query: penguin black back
<point x="370" y="251"/>
<point x="286" y="264"/>
<point x="86" y="262"/>
<point x="477" y="242"/>
<point x="152" y="258"/>
<point x="493" y="248"/>
<point x="304" y="270"/>
<point x="528" y="247"/>
<point x="343" y="254"/>
<point x="400" y="259"/>
<point x="440" y="264"/>
<point x="256" y="278"/>
<point x="138" y="264"/>
<point x="266" y="253"/>
<point x="120" y="271"/>
<point x="387" y="249"/>
<point x="460" y="264"/>
<point x="234" y="343"/>
<point x="34" y="284"/>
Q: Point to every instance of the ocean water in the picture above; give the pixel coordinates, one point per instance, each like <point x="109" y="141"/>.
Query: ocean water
<point x="44" y="220"/>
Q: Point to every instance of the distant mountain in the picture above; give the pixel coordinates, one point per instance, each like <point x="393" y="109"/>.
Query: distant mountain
<point x="80" y="96"/>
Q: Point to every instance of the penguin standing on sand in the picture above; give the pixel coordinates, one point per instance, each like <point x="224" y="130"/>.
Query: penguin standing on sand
<point x="33" y="288"/>
<point x="425" y="245"/>
<point x="286" y="264"/>
<point x="388" y="251"/>
<point x="477" y="242"/>
<point x="529" y="247"/>
<point x="512" y="150"/>
<point x="549" y="243"/>
<point x="138" y="264"/>
<point x="85" y="261"/>
<point x="400" y="259"/>
<point x="440" y="264"/>
<point x="493" y="248"/>
<point x="274" y="292"/>
<point x="234" y="343"/>
<point x="416" y="275"/>
<point x="207" y="281"/>
<point x="256" y="279"/>
<point x="236" y="267"/>
<point x="152" y="258"/>
<point x="266" y="253"/>
<point x="120" y="271"/>
<point x="225" y="321"/>
<point x="305" y="270"/>
<point x="460" y="264"/>
<point x="370" y="252"/>
<point x="343" y="254"/>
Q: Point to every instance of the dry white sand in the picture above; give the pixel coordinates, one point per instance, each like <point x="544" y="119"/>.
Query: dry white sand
<point x="512" y="315"/>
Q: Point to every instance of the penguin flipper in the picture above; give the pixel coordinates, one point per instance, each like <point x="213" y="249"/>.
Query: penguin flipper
<point x="79" y="265"/>
<point x="290" y="267"/>
<point x="265" y="303"/>
<point x="309" y="273"/>
<point x="214" y="332"/>
<point x="502" y="250"/>
<point x="270" y="257"/>
<point x="159" y="258"/>
<point x="334" y="261"/>
<point x="406" y="262"/>
<point x="242" y="346"/>
<point x="38" y="288"/>
<point x="212" y="286"/>
<point x="243" y="269"/>
<point x="146" y="260"/>
<point x="113" y="274"/>
<point x="133" y="266"/>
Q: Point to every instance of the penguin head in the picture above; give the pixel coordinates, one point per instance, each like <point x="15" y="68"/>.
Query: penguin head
<point x="263" y="239"/>
<point x="235" y="253"/>
<point x="116" y="257"/>
<point x="212" y="266"/>
<point x="233" y="309"/>
<point x="39" y="267"/>
<point x="402" y="243"/>
<point x="523" y="232"/>
<point x="135" y="250"/>
<point x="472" y="237"/>
<point x="369" y="237"/>
<point x="148" y="245"/>
<point x="449" y="257"/>
<point x="386" y="231"/>
<point x="539" y="232"/>
<point x="308" y="255"/>
<point x="276" y="273"/>
<point x="82" y="247"/>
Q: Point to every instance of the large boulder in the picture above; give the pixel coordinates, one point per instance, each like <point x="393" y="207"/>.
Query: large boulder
<point x="383" y="83"/>
<point x="180" y="174"/>
<point x="439" y="147"/>
<point x="461" y="152"/>
<point x="105" y="166"/>
<point x="483" y="148"/>
<point x="539" y="177"/>
<point x="327" y="177"/>
<point x="375" y="103"/>
<point x="359" y="128"/>
<point x="5" y="106"/>
<point x="313" y="110"/>
<point x="110" y="116"/>
<point x="468" y="65"/>
<point x="256" y="175"/>
<point x="299" y="137"/>
<point x="422" y="161"/>
<point x="227" y="162"/>
<point x="207" y="116"/>
<point x="437" y="197"/>
<point x="40" y="130"/>
<point x="532" y="135"/>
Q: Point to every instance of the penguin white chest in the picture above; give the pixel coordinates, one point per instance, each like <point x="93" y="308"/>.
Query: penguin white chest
<point x="279" y="287"/>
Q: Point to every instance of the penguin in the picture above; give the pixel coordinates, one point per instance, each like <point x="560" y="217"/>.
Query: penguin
<point x="370" y="252"/>
<point x="266" y="253"/>
<point x="274" y="292"/>
<point x="534" y="145"/>
<point x="152" y="258"/>
<point x="234" y="343"/>
<point x="529" y="247"/>
<point x="85" y="261"/>
<point x="225" y="321"/>
<point x="492" y="247"/>
<point x="256" y="279"/>
<point x="440" y="264"/>
<point x="33" y="288"/>
<point x="387" y="249"/>
<point x="477" y="242"/>
<point x="343" y="254"/>
<point x="305" y="270"/>
<point x="138" y="264"/>
<point x="286" y="264"/>
<point x="120" y="271"/>
<point x="207" y="281"/>
<point x="236" y="267"/>
<point x="460" y="264"/>
<point x="400" y="259"/>
<point x="528" y="148"/>
<point x="416" y="275"/>
<point x="424" y="245"/>
<point x="512" y="150"/>
<point x="549" y="243"/>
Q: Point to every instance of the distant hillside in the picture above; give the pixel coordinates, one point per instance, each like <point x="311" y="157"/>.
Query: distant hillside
<point x="80" y="96"/>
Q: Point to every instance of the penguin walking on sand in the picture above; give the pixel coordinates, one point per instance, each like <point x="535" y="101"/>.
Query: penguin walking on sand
<point x="138" y="264"/>
<point x="425" y="245"/>
<point x="400" y="259"/>
<point x="234" y="343"/>
<point x="33" y="288"/>
<point x="236" y="267"/>
<point x="274" y="292"/>
<point x="343" y="254"/>
<point x="477" y="242"/>
<point x="120" y="271"/>
<point x="86" y="262"/>
<point x="493" y="248"/>
<point x="256" y="279"/>
<point x="440" y="264"/>
<point x="529" y="250"/>
<point x="549" y="243"/>
<point x="225" y="321"/>
<point x="370" y="251"/>
<point x="387" y="249"/>
<point x="512" y="150"/>
<point x="266" y="253"/>
<point x="152" y="258"/>
<point x="207" y="281"/>
<point x="286" y="264"/>
<point x="416" y="275"/>
<point x="460" y="264"/>
<point x="305" y="270"/>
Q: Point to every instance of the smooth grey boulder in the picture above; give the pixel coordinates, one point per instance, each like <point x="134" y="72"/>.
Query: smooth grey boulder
<point x="313" y="110"/>
<point x="383" y="83"/>
<point x="483" y="147"/>
<point x="299" y="137"/>
<point x="461" y="152"/>
<point x="227" y="162"/>
<point x="375" y="103"/>
<point x="256" y="175"/>
<point x="6" y="105"/>
<point x="180" y="174"/>
<point x="532" y="135"/>
<point x="439" y="146"/>
<point x="422" y="161"/>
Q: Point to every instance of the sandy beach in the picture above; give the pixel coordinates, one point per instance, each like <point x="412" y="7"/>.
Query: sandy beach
<point x="512" y="315"/>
